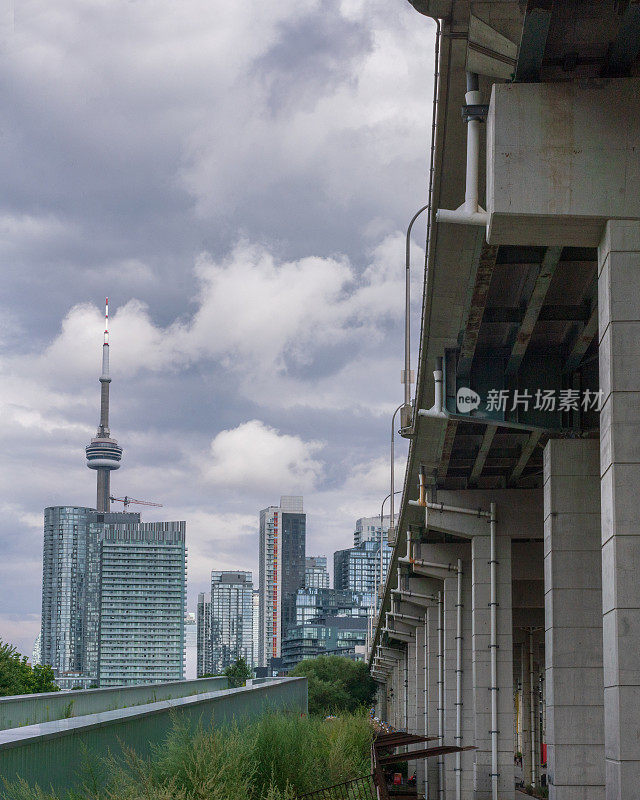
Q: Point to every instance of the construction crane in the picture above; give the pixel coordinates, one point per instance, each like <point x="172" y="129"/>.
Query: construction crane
<point x="126" y="500"/>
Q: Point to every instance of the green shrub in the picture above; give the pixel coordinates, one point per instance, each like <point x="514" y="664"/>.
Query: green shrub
<point x="336" y="684"/>
<point x="277" y="757"/>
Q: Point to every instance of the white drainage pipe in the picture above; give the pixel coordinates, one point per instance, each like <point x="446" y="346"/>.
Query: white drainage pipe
<point x="406" y="690"/>
<point x="458" y="736"/>
<point x="440" y="694"/>
<point x="426" y="694"/>
<point x="493" y="646"/>
<point x="415" y="685"/>
<point x="469" y="213"/>
<point x="534" y="776"/>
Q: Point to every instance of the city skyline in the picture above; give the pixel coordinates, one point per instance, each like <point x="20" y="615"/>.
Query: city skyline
<point x="208" y="376"/>
<point x="114" y="589"/>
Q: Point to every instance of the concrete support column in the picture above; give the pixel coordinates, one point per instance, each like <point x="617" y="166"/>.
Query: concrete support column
<point x="412" y="766"/>
<point x="421" y="673"/>
<point x="381" y="700"/>
<point x="481" y="654"/>
<point x="573" y="621"/>
<point x="449" y="554"/>
<point x="394" y="697"/>
<point x="619" y="338"/>
<point x="468" y="723"/>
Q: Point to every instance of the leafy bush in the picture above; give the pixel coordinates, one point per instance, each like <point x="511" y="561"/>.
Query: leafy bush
<point x="238" y="674"/>
<point x="336" y="684"/>
<point x="17" y="677"/>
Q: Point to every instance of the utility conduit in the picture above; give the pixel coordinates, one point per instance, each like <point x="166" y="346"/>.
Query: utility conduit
<point x="426" y="693"/>
<point x="470" y="212"/>
<point x="493" y="646"/>
<point x="534" y="775"/>
<point x="458" y="737"/>
<point x="441" y="698"/>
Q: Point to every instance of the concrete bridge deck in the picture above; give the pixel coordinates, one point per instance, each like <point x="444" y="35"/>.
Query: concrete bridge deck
<point x="531" y="308"/>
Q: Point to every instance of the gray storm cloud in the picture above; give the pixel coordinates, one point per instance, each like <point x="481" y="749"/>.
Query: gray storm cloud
<point x="236" y="177"/>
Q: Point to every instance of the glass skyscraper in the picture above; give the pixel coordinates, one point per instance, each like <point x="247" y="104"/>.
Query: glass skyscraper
<point x="358" y="568"/>
<point x="256" y="628"/>
<point x="69" y="563"/>
<point x="231" y="618"/>
<point x="282" y="565"/>
<point x="314" y="602"/>
<point x="338" y="636"/>
<point x="113" y="596"/>
<point x="203" y="621"/>
<point x="315" y="572"/>
<point x="64" y="565"/>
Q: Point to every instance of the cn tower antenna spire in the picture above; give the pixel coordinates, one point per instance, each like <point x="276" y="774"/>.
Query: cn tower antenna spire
<point x="105" y="343"/>
<point x="104" y="453"/>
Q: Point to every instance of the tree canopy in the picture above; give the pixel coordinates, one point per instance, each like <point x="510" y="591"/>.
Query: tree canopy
<point x="336" y="684"/>
<point x="17" y="677"/>
<point x="238" y="674"/>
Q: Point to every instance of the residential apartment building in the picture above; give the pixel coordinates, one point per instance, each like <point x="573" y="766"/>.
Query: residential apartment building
<point x="316" y="574"/>
<point x="369" y="529"/>
<point x="358" y="569"/>
<point x="231" y="618"/>
<point x="139" y="601"/>
<point x="256" y="629"/>
<point x="69" y="562"/>
<point x="203" y="621"/>
<point x="281" y="570"/>
<point x="336" y="636"/>
<point x="315" y="602"/>
<point x="113" y="597"/>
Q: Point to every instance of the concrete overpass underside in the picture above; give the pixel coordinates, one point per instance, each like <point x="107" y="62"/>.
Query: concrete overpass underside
<point x="510" y="616"/>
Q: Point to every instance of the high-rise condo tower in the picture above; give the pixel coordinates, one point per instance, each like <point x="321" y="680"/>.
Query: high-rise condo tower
<point x="104" y="453"/>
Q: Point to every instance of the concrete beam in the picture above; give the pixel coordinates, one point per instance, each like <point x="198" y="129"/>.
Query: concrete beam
<point x="582" y="341"/>
<point x="535" y="29"/>
<point x="541" y="176"/>
<point x="534" y="306"/>
<point x="483" y="452"/>
<point x="624" y="49"/>
<point x="525" y="455"/>
<point x="484" y="265"/>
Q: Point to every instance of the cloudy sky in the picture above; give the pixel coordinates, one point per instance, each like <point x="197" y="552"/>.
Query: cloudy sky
<point x="236" y="177"/>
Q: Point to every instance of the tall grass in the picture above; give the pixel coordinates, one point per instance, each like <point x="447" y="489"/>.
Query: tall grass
<point x="277" y="757"/>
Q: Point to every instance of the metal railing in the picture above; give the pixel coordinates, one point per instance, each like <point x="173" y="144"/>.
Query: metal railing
<point x="358" y="789"/>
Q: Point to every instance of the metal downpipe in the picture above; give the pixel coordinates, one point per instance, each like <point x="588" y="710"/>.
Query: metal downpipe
<point x="534" y="776"/>
<point x="493" y="646"/>
<point x="406" y="690"/>
<point x="440" y="694"/>
<point x="458" y="736"/>
<point x="426" y="695"/>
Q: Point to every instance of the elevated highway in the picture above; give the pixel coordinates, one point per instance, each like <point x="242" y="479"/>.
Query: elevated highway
<point x="510" y="617"/>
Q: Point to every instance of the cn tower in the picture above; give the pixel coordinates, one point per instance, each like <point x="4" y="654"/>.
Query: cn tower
<point x="104" y="453"/>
